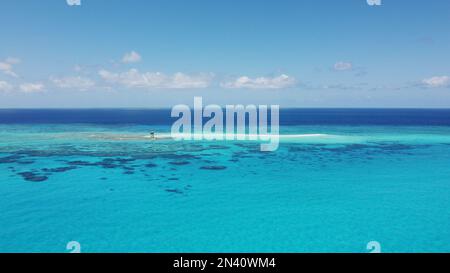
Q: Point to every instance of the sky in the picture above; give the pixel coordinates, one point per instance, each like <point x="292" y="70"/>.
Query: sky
<point x="159" y="53"/>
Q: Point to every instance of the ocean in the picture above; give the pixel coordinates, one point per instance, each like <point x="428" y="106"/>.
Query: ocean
<point x="91" y="176"/>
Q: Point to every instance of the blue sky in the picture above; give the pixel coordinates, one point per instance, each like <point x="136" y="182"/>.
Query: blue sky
<point x="136" y="53"/>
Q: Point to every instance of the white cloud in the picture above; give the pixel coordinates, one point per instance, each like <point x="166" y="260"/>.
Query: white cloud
<point x="343" y="66"/>
<point x="131" y="57"/>
<point x="79" y="83"/>
<point x="374" y="2"/>
<point x="7" y="68"/>
<point x="5" y="87"/>
<point x="31" y="87"/>
<point x="282" y="81"/>
<point x="437" y="81"/>
<point x="156" y="80"/>
<point x="73" y="2"/>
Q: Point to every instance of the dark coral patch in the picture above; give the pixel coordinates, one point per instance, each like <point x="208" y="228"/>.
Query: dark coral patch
<point x="59" y="170"/>
<point x="25" y="162"/>
<point x="242" y="154"/>
<point x="174" y="191"/>
<point x="179" y="156"/>
<point x="218" y="147"/>
<point x="10" y="159"/>
<point x="33" y="177"/>
<point x="124" y="160"/>
<point x="107" y="163"/>
<point x="209" y="161"/>
<point x="213" y="168"/>
<point x="81" y="163"/>
<point x="109" y="166"/>
<point x="179" y="163"/>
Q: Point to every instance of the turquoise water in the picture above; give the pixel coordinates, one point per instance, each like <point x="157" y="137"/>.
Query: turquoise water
<point x="112" y="190"/>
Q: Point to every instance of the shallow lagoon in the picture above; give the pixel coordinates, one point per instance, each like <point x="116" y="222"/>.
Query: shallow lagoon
<point x="112" y="190"/>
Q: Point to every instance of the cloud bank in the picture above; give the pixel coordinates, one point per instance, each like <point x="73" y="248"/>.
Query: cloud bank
<point x="436" y="82"/>
<point x="76" y="83"/>
<point x="31" y="87"/>
<point x="156" y="80"/>
<point x="131" y="57"/>
<point x="343" y="66"/>
<point x="5" y="87"/>
<point x="6" y="66"/>
<point x="244" y="82"/>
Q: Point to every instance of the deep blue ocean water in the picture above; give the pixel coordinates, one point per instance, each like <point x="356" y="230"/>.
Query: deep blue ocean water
<point x="91" y="176"/>
<point x="288" y="116"/>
